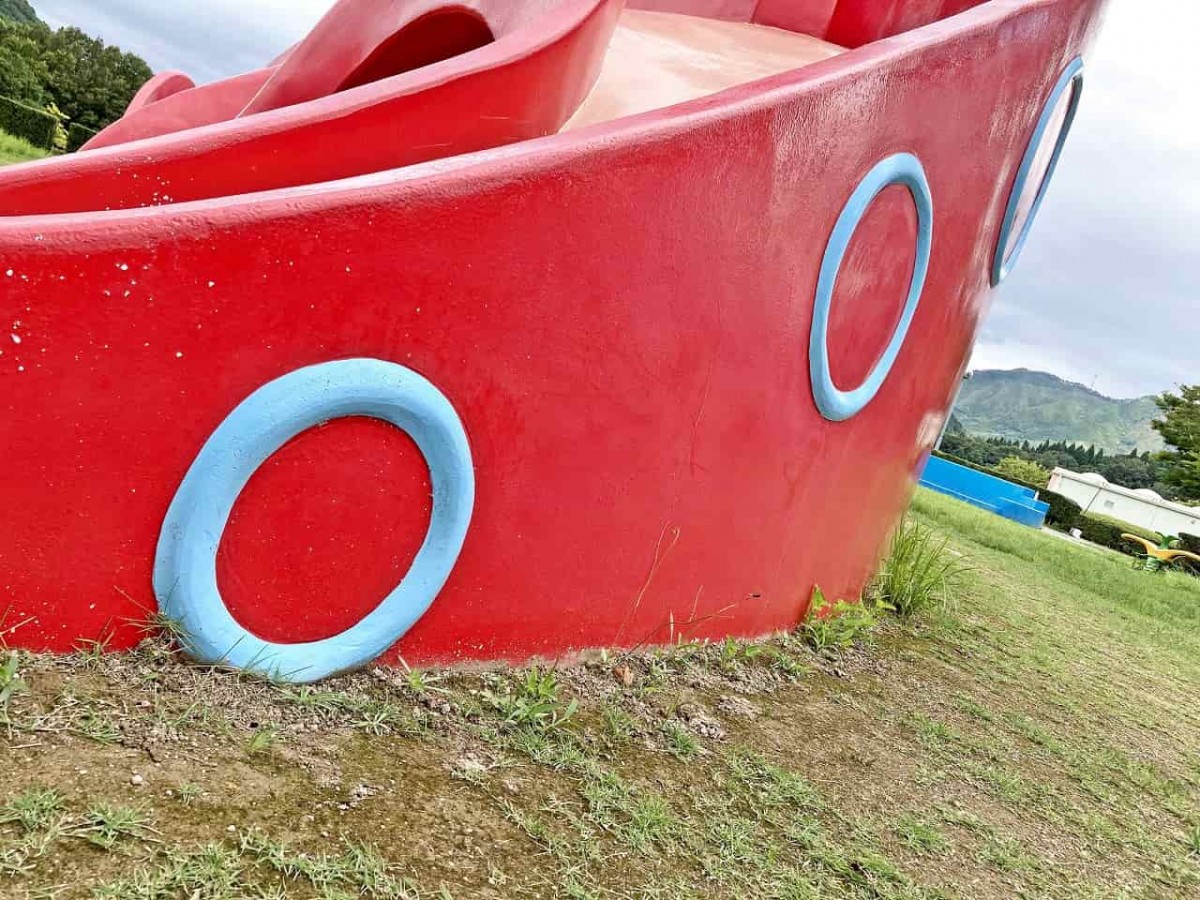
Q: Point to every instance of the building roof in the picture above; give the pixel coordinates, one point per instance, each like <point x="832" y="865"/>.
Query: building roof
<point x="1144" y="494"/>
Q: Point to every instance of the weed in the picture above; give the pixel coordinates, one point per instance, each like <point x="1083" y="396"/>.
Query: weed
<point x="35" y="810"/>
<point x="919" y="835"/>
<point x="91" y="652"/>
<point x="262" y="740"/>
<point x="679" y="742"/>
<point x="105" y="825"/>
<point x="423" y="683"/>
<point x="836" y="626"/>
<point x="619" y="727"/>
<point x="918" y="572"/>
<point x="189" y="793"/>
<point x="1193" y="840"/>
<point x="11" y="682"/>
<point x="532" y="703"/>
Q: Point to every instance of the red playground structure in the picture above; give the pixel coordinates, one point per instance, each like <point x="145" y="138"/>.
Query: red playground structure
<point x="503" y="329"/>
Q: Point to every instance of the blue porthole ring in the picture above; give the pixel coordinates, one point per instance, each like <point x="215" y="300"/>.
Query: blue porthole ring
<point x="1070" y="80"/>
<point x="185" y="571"/>
<point x="901" y="169"/>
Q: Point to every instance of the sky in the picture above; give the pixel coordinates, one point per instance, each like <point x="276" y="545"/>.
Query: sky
<point x="1107" y="292"/>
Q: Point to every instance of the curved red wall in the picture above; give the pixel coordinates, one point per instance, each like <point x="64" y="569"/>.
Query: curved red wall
<point x="619" y="315"/>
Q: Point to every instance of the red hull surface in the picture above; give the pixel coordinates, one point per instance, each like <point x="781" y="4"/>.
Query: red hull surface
<point x="620" y="316"/>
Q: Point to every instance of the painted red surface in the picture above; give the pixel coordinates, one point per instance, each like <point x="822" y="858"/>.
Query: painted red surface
<point x="620" y="315"/>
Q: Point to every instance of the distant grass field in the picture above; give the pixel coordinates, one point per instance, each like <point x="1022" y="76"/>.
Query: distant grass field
<point x="15" y="149"/>
<point x="1037" y="738"/>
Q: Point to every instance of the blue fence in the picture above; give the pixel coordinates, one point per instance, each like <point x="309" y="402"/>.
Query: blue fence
<point x="985" y="491"/>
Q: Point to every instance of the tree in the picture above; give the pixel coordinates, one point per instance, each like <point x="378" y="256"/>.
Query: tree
<point x="1128" y="471"/>
<point x="91" y="83"/>
<point x="23" y="74"/>
<point x="1016" y="469"/>
<point x="18" y="11"/>
<point x="1180" y="428"/>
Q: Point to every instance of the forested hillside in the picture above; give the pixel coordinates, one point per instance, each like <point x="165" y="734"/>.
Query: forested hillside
<point x="1023" y="405"/>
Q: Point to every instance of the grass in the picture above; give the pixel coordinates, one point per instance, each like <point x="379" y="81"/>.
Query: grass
<point x="15" y="150"/>
<point x="1026" y="729"/>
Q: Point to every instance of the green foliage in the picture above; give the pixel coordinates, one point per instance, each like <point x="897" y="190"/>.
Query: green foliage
<point x="36" y="126"/>
<point x="1064" y="512"/>
<point x="917" y="573"/>
<point x="1179" y="426"/>
<point x="1033" y="406"/>
<point x="18" y="11"/>
<point x="23" y="72"/>
<point x="78" y="135"/>
<point x="11" y="682"/>
<point x="532" y="702"/>
<point x="1106" y="531"/>
<point x="91" y="82"/>
<point x="1014" y="468"/>
<point x="836" y="626"/>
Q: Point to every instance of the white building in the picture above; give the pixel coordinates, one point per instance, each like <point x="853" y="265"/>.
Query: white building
<point x="1142" y="507"/>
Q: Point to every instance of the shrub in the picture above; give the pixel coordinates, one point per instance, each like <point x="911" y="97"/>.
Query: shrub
<point x="917" y="572"/>
<point x="34" y="125"/>
<point x="1191" y="543"/>
<point x="77" y="136"/>
<point x="1064" y="512"/>
<point x="1107" y="531"/>
<point x="1022" y="471"/>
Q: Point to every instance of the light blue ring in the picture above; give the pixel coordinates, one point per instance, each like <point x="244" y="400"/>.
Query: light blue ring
<point x="1071" y="79"/>
<point x="185" y="567"/>
<point x="902" y="169"/>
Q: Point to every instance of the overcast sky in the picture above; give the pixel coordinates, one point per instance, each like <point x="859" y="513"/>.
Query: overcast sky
<point x="1108" y="290"/>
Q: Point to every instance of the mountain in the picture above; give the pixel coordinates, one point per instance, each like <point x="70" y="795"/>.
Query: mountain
<point x="1034" y="406"/>
<point x="18" y="11"/>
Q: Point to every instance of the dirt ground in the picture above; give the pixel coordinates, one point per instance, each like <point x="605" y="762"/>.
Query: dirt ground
<point x="1037" y="739"/>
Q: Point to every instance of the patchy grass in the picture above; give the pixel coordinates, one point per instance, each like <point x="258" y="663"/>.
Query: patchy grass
<point x="1036" y="736"/>
<point x="15" y="149"/>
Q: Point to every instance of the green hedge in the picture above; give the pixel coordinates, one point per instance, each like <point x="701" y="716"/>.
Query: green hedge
<point x="1064" y="512"/>
<point x="77" y="136"/>
<point x="34" y="125"/>
<point x="1106" y="531"/>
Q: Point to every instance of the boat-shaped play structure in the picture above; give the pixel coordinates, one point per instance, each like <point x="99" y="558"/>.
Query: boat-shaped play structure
<point x="507" y="329"/>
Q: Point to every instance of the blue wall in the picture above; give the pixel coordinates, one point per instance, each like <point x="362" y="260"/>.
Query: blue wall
<point x="985" y="491"/>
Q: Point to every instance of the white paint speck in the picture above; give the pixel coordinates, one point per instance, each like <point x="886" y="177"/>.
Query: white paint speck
<point x="16" y="338"/>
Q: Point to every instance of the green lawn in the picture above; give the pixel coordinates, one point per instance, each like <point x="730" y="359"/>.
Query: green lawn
<point x="1038" y="739"/>
<point x="15" y="149"/>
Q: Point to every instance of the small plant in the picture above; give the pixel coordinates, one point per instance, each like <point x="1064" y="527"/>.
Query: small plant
<point x="836" y="626"/>
<point x="918" y="572"/>
<point x="680" y="742"/>
<point x="105" y="825"/>
<point x="919" y="836"/>
<point x="11" y="682"/>
<point x="35" y="810"/>
<point x="534" y="703"/>
<point x="619" y="726"/>
<point x="423" y="683"/>
<point x="189" y="793"/>
<point x="262" y="740"/>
